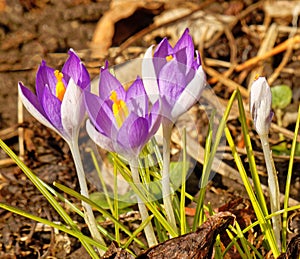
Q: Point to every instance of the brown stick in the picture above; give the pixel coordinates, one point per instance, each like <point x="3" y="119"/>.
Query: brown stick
<point x="279" y="48"/>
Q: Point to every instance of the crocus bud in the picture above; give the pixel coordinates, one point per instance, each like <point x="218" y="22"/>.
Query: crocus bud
<point x="260" y="105"/>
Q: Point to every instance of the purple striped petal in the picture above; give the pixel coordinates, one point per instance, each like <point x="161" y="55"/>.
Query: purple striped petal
<point x="186" y="42"/>
<point x="171" y="81"/>
<point x="163" y="49"/>
<point x="34" y="107"/>
<point x="109" y="83"/>
<point x="45" y="77"/>
<point x="52" y="108"/>
<point x="190" y="95"/>
<point x="73" y="68"/>
<point x="133" y="134"/>
<point x="100" y="114"/>
<point x="136" y="98"/>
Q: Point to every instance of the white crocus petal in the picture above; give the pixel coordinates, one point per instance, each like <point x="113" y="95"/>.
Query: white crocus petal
<point x="260" y="105"/>
<point x="149" y="76"/>
<point x="100" y="140"/>
<point x="35" y="113"/>
<point x="190" y="94"/>
<point x="72" y="109"/>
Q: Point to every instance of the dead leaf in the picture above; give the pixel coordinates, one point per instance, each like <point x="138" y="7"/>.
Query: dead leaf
<point x="105" y="29"/>
<point x="198" y="244"/>
<point x="114" y="252"/>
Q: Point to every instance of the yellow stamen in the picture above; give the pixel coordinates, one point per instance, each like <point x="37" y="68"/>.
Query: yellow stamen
<point x="256" y="77"/>
<point x="119" y="109"/>
<point x="169" y="58"/>
<point x="60" y="87"/>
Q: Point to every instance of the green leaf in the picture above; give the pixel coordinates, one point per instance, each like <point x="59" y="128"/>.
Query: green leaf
<point x="281" y="96"/>
<point x="100" y="199"/>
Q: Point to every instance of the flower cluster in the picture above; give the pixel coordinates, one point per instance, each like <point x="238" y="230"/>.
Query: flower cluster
<point x="120" y="121"/>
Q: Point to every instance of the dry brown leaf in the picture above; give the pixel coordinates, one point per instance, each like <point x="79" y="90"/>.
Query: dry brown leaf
<point x="202" y="26"/>
<point x="282" y="9"/>
<point x="119" y="9"/>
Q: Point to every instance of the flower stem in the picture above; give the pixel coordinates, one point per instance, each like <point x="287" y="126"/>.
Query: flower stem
<point x="166" y="189"/>
<point x="88" y="212"/>
<point x="149" y="232"/>
<point x="273" y="187"/>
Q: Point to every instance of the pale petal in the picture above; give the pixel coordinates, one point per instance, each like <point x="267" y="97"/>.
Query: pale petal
<point x="149" y="76"/>
<point x="260" y="105"/>
<point x="100" y="139"/>
<point x="155" y="118"/>
<point x="72" y="109"/>
<point x="190" y="95"/>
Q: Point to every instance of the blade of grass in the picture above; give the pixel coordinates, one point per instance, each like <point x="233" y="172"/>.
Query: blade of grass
<point x="138" y="230"/>
<point x="288" y="184"/>
<point x="40" y="186"/>
<point x="36" y="181"/>
<point x="250" y="156"/>
<point x="75" y="194"/>
<point x="208" y="165"/>
<point x="141" y="191"/>
<point x="116" y="204"/>
<point x="77" y="234"/>
<point x="263" y="222"/>
<point x="235" y="243"/>
<point x="183" y="182"/>
<point x="206" y="157"/>
<point x="75" y="209"/>
<point x="94" y="159"/>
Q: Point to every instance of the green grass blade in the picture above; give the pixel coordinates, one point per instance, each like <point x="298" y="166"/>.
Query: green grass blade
<point x="138" y="230"/>
<point x="183" y="182"/>
<point x="288" y="184"/>
<point x="95" y="162"/>
<point x="77" y="234"/>
<point x="263" y="222"/>
<point x="116" y="204"/>
<point x="250" y="156"/>
<point x="37" y="182"/>
<point x="141" y="191"/>
<point x="101" y="210"/>
<point x="208" y="165"/>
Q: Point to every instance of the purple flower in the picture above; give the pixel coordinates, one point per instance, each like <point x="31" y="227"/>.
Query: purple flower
<point x="58" y="103"/>
<point x="174" y="75"/>
<point x="261" y="105"/>
<point x="121" y="121"/>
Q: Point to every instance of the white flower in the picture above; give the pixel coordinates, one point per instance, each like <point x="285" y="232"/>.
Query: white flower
<point x="260" y="105"/>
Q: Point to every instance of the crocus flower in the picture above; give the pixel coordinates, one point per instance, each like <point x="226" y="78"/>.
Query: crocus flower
<point x="260" y="105"/>
<point x="121" y="121"/>
<point x="174" y="75"/>
<point x="58" y="102"/>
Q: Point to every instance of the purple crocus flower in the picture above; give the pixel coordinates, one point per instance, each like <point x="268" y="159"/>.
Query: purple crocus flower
<point x="174" y="75"/>
<point x="58" y="103"/>
<point x="121" y="121"/>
